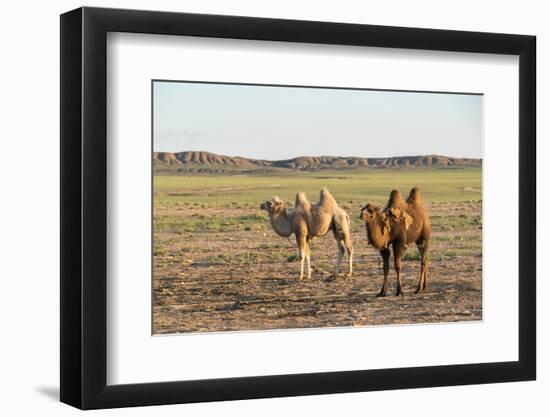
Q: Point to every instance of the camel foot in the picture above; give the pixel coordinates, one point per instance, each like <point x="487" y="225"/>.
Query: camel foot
<point x="399" y="293"/>
<point x="418" y="291"/>
<point x="381" y="294"/>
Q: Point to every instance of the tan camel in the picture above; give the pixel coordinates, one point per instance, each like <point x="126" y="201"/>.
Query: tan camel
<point x="399" y="224"/>
<point x="307" y="221"/>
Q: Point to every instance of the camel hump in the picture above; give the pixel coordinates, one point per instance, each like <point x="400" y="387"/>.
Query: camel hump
<point x="401" y="216"/>
<point x="395" y="200"/>
<point x="301" y="200"/>
<point x="326" y="199"/>
<point x="414" y="196"/>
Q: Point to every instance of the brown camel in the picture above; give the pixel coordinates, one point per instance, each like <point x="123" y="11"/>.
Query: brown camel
<point x="399" y="224"/>
<point x="307" y="221"/>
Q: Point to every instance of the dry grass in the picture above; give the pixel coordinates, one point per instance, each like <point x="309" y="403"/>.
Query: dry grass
<point x="218" y="266"/>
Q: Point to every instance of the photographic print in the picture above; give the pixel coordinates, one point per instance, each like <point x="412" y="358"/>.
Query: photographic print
<point x="291" y="207"/>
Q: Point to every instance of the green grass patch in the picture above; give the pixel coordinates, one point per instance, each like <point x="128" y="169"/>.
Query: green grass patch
<point x="412" y="255"/>
<point x="351" y="187"/>
<point x="203" y="223"/>
<point x="450" y="222"/>
<point x="292" y="258"/>
<point x="239" y="258"/>
<point x="270" y="246"/>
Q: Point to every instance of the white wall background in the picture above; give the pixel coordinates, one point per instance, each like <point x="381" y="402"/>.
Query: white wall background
<point x="29" y="219"/>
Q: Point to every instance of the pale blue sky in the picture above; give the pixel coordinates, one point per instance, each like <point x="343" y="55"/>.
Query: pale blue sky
<point x="285" y="122"/>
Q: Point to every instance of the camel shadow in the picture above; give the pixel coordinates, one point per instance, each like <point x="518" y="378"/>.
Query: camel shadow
<point x="50" y="392"/>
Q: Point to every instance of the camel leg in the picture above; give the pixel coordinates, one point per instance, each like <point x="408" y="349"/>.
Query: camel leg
<point x="425" y="262"/>
<point x="398" y="251"/>
<point x="308" y="259"/>
<point x="386" y="258"/>
<point x="341" y="250"/>
<point x="341" y="253"/>
<point x="302" y="251"/>
<point x="349" y="251"/>
<point x="302" y="258"/>
<point x="423" y="281"/>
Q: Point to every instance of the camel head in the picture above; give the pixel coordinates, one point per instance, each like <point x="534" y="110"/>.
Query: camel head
<point x="377" y="223"/>
<point x="272" y="206"/>
<point x="370" y="213"/>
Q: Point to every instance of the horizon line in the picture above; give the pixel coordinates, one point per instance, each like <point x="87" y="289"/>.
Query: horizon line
<point x="324" y="156"/>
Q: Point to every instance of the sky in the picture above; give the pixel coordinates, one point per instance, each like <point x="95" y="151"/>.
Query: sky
<point x="276" y="123"/>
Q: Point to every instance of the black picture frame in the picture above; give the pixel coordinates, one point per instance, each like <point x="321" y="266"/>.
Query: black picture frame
<point x="84" y="207"/>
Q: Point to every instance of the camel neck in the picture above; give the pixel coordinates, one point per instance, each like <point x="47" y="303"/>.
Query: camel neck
<point x="281" y="222"/>
<point x="378" y="237"/>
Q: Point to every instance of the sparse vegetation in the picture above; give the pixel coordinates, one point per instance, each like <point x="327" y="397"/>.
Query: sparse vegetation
<point x="412" y="255"/>
<point x="213" y="246"/>
<point x="292" y="258"/>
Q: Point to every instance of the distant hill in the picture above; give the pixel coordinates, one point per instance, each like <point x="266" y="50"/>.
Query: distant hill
<point x="207" y="162"/>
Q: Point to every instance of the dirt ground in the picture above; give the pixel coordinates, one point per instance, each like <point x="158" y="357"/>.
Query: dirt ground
<point x="240" y="275"/>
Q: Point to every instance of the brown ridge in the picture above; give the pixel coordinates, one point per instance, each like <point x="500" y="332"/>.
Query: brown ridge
<point x="208" y="161"/>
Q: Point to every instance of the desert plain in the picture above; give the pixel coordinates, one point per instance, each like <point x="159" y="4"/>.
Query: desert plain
<point x="219" y="266"/>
